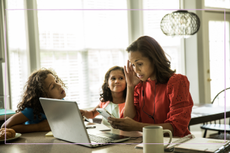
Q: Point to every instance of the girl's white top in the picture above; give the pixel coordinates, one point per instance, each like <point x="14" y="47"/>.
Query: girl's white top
<point x="112" y="109"/>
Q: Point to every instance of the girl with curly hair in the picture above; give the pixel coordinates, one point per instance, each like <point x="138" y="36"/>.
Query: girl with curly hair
<point x="30" y="116"/>
<point x="113" y="94"/>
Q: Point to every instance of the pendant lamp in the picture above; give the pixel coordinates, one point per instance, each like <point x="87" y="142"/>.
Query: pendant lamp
<point x="180" y="23"/>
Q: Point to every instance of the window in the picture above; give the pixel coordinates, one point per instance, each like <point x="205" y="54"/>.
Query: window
<point x="17" y="47"/>
<point x="152" y="19"/>
<point x="81" y="45"/>
<point x="80" y="41"/>
<point x="217" y="59"/>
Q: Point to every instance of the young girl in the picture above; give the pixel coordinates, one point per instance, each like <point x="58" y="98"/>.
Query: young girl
<point x="30" y="116"/>
<point x="156" y="95"/>
<point x="113" y="94"/>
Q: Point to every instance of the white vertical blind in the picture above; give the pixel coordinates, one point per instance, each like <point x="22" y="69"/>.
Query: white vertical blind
<point x="81" y="45"/>
<point x="17" y="46"/>
<point x="105" y="29"/>
<point x="155" y="11"/>
<point x="217" y="60"/>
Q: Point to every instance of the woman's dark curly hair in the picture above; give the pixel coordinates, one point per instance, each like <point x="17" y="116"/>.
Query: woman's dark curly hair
<point x="106" y="92"/>
<point x="150" y="48"/>
<point x="34" y="88"/>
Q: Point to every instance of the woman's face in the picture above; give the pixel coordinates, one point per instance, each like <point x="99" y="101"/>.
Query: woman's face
<point x="53" y="88"/>
<point x="142" y="66"/>
<point x="116" y="81"/>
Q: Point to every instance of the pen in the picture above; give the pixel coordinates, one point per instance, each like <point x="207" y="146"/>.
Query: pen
<point x="91" y="127"/>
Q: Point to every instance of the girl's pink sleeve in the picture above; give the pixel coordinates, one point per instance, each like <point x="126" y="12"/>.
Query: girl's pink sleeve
<point x="103" y="104"/>
<point x="181" y="103"/>
<point x="100" y="104"/>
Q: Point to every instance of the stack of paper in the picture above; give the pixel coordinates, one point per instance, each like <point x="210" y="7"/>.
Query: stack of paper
<point x="190" y="144"/>
<point x="198" y="145"/>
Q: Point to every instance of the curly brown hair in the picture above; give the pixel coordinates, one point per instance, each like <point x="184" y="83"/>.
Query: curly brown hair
<point x="150" y="48"/>
<point x="34" y="88"/>
<point x="106" y="92"/>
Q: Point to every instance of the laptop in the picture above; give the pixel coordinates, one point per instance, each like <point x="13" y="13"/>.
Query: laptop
<point x="66" y="123"/>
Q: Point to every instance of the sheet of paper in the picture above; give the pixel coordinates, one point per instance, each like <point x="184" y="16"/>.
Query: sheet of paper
<point x="102" y="127"/>
<point x="49" y="134"/>
<point x="202" y="144"/>
<point x="195" y="145"/>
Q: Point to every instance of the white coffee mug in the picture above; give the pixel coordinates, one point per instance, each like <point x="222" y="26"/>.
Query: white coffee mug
<point x="153" y="141"/>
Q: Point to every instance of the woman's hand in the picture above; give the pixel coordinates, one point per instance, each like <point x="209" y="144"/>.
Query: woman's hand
<point x="131" y="77"/>
<point x="125" y="124"/>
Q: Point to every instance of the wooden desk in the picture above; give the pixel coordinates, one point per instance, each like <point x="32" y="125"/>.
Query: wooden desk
<point x="207" y="112"/>
<point x="38" y="143"/>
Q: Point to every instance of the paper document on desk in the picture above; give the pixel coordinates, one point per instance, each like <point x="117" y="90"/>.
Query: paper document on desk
<point x="196" y="145"/>
<point x="199" y="145"/>
<point x="49" y="134"/>
<point x="102" y="127"/>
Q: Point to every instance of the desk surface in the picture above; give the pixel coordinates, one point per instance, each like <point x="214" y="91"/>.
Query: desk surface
<point x="38" y="143"/>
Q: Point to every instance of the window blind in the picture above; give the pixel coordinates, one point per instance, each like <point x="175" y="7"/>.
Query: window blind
<point x="217" y="60"/>
<point x="82" y="45"/>
<point x="18" y="52"/>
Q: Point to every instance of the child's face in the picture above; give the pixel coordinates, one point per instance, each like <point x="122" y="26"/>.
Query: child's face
<point x="142" y="66"/>
<point x="53" y="88"/>
<point x="116" y="81"/>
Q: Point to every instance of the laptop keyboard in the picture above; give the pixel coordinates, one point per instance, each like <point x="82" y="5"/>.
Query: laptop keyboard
<point x="99" y="139"/>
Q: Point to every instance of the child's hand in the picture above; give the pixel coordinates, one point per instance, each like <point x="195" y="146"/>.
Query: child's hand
<point x="43" y="126"/>
<point x="83" y="112"/>
<point x="131" y="77"/>
<point x="9" y="133"/>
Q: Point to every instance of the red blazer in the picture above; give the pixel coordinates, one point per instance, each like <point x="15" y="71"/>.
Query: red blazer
<point x="167" y="103"/>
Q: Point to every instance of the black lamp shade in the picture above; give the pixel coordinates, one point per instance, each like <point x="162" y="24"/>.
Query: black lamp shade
<point x="180" y="23"/>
